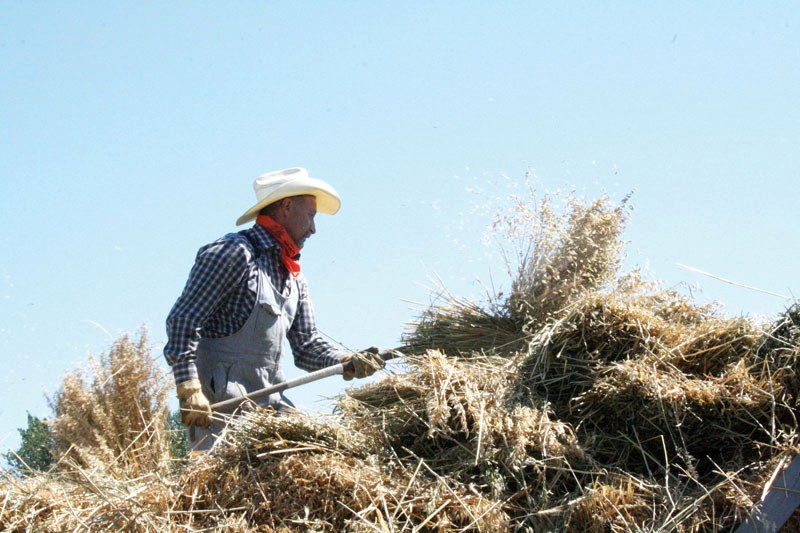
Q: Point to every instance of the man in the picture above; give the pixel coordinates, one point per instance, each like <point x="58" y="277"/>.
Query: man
<point x="244" y="297"/>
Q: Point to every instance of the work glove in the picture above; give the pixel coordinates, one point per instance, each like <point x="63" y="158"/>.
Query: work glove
<point x="195" y="409"/>
<point x="361" y="364"/>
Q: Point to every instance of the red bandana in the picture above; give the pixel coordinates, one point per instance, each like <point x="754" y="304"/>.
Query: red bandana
<point x="290" y="253"/>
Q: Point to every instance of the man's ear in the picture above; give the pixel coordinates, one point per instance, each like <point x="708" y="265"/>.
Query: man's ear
<point x="291" y="203"/>
<point x="285" y="205"/>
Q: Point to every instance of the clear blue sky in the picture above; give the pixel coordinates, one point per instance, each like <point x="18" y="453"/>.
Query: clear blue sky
<point x="131" y="133"/>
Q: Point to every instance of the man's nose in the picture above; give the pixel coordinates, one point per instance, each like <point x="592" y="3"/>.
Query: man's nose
<point x="313" y="227"/>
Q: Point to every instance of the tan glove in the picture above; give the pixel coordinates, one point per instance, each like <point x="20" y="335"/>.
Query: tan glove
<point x="195" y="409"/>
<point x="361" y="364"/>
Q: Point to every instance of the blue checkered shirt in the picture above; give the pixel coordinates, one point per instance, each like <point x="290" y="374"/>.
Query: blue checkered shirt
<point x="221" y="293"/>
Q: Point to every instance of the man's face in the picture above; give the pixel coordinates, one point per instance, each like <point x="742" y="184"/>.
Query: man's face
<point x="299" y="222"/>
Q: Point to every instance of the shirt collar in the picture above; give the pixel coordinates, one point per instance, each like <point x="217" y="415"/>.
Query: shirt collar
<point x="262" y="240"/>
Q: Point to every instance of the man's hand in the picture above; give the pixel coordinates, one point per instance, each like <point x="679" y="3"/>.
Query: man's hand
<point x="361" y="364"/>
<point x="195" y="409"/>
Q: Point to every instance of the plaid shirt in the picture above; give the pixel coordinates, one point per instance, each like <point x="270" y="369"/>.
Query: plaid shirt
<point x="221" y="293"/>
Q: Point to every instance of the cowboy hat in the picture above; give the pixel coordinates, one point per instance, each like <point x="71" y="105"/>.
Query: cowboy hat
<point x="274" y="186"/>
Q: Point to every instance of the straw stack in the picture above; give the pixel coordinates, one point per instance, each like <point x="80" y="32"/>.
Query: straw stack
<point x="583" y="400"/>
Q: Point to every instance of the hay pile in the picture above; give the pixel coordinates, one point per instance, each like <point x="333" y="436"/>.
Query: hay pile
<point x="581" y="401"/>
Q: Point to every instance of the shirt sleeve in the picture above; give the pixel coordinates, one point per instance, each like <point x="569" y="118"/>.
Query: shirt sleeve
<point x="310" y="350"/>
<point x="219" y="267"/>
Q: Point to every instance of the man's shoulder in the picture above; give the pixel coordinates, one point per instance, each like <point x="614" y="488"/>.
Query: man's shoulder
<point x="233" y="247"/>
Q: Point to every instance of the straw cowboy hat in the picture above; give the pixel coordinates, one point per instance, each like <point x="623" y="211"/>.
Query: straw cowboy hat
<point x="274" y="186"/>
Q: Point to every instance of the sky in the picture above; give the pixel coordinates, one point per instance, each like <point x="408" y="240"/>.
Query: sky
<point x="131" y="133"/>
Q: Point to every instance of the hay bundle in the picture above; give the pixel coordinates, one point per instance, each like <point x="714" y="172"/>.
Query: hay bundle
<point x="598" y="329"/>
<point x="455" y="413"/>
<point x="633" y="320"/>
<point x="715" y="343"/>
<point x="291" y="471"/>
<point x="464" y="418"/>
<point x="640" y="410"/>
<point x="113" y="416"/>
<point x="460" y="327"/>
<point x="247" y="472"/>
<point x="558" y="256"/>
<point x="562" y="255"/>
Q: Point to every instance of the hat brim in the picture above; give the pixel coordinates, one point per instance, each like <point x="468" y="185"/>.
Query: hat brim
<point x="328" y="201"/>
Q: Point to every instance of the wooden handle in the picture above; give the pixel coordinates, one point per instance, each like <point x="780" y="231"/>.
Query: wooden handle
<point x="228" y="406"/>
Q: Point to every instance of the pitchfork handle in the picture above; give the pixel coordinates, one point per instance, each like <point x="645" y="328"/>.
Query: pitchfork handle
<point x="228" y="406"/>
